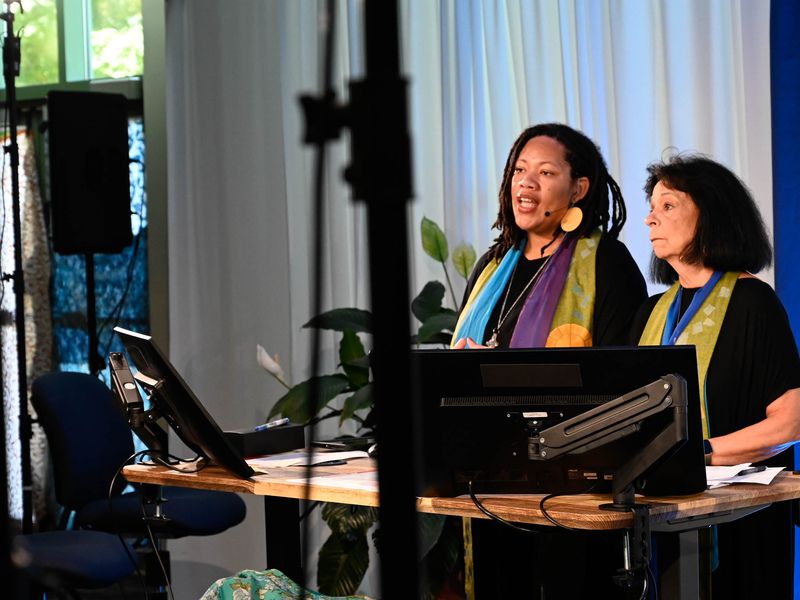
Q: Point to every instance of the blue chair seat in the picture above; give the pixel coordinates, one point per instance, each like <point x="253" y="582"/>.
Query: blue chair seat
<point x="89" y="443"/>
<point x="189" y="512"/>
<point x="74" y="559"/>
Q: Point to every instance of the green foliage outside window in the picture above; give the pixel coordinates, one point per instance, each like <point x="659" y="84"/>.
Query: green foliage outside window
<point x="38" y="28"/>
<point x="117" y="38"/>
<point x="116" y="35"/>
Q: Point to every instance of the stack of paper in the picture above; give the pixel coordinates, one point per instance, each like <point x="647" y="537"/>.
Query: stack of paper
<point x="744" y="473"/>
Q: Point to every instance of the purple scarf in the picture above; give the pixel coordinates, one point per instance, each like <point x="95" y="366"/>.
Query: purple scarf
<point x="536" y="317"/>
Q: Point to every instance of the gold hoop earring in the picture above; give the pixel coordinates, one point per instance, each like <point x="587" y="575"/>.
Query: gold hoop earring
<point x="571" y="219"/>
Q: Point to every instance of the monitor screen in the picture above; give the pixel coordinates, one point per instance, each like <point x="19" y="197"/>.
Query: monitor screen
<point x="178" y="405"/>
<point x="482" y="413"/>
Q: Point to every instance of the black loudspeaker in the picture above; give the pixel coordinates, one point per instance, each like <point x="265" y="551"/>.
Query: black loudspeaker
<point x="89" y="180"/>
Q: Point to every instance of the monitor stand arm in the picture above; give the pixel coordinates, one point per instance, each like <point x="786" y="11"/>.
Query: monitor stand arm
<point x="614" y="420"/>
<point x="619" y="418"/>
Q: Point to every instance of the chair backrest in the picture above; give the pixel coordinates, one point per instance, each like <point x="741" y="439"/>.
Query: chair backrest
<point x="88" y="438"/>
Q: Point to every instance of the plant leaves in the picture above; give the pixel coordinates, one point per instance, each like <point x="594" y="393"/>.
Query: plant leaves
<point x="342" y="565"/>
<point x="439" y="562"/>
<point x="344" y="557"/>
<point x="443" y="321"/>
<point x="362" y="361"/>
<point x="361" y="399"/>
<point x="429" y="301"/>
<point x="434" y="241"/>
<point x="342" y="518"/>
<point x="464" y="258"/>
<point x="341" y="319"/>
<point x="429" y="528"/>
<point x="297" y="402"/>
<point x="437" y="338"/>
<point x="350" y="350"/>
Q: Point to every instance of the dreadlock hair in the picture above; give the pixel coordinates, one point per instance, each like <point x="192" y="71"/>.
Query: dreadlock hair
<point x="730" y="234"/>
<point x="585" y="160"/>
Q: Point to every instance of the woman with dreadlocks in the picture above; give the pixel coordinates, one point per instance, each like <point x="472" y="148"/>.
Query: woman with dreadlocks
<point x="556" y="275"/>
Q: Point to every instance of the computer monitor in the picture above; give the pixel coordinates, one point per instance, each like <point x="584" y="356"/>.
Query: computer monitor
<point x="484" y="414"/>
<point x="178" y="405"/>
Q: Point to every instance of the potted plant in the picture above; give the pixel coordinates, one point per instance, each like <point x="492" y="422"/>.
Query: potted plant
<point x="344" y="557"/>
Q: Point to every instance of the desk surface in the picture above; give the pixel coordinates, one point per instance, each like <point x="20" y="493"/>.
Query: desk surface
<point x="574" y="511"/>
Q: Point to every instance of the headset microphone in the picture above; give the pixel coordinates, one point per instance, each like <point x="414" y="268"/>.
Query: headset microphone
<point x="547" y="213"/>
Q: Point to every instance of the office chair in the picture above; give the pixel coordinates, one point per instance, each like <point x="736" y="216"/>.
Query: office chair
<point x="64" y="562"/>
<point x="89" y="441"/>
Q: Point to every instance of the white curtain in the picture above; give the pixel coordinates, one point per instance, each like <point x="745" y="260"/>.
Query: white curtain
<point x="638" y="77"/>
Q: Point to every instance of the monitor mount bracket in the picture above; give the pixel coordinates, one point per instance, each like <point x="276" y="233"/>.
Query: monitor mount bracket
<point x="614" y="420"/>
<point x="618" y="418"/>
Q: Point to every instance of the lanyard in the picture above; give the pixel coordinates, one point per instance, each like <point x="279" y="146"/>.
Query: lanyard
<point x="673" y="331"/>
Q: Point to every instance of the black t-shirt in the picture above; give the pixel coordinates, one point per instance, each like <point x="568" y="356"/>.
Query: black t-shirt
<point x="620" y="291"/>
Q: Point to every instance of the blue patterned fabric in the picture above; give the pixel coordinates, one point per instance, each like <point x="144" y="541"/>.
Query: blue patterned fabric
<point x="262" y="585"/>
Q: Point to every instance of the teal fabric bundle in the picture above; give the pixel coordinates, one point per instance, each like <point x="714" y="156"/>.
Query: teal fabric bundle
<point x="262" y="585"/>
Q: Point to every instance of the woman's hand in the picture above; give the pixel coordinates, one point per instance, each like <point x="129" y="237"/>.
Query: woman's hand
<point x="757" y="442"/>
<point x="467" y="343"/>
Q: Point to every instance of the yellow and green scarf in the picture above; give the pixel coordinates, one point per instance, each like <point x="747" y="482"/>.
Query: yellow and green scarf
<point x="559" y="310"/>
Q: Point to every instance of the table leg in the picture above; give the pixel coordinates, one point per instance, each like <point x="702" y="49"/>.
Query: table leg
<point x="282" y="526"/>
<point x="678" y="565"/>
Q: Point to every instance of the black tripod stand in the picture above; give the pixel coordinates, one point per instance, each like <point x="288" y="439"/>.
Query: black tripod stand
<point x="11" y="60"/>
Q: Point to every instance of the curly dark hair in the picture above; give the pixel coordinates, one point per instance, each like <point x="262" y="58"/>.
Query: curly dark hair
<point x="585" y="160"/>
<point x="730" y="233"/>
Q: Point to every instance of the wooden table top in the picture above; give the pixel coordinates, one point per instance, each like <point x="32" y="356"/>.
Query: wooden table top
<point x="574" y="511"/>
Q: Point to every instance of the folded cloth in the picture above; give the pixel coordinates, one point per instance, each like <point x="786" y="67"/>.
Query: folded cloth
<point x="262" y="585"/>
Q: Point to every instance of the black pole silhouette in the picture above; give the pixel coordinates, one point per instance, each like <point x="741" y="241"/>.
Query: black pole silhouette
<point x="380" y="176"/>
<point x="379" y="138"/>
<point x="11" y="60"/>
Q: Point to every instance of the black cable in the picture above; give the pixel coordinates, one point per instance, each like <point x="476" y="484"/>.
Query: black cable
<point x="3" y="200"/>
<point x="314" y="505"/>
<point x="116" y="312"/>
<point x="547" y="516"/>
<point x="649" y="578"/>
<point x="166" y="463"/>
<point x="133" y="560"/>
<point x="328" y="18"/>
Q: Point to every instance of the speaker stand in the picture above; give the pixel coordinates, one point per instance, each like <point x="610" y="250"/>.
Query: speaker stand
<point x="96" y="363"/>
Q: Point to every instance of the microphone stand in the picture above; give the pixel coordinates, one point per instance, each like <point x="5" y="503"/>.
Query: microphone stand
<point x="378" y="122"/>
<point x="380" y="137"/>
<point x="11" y="60"/>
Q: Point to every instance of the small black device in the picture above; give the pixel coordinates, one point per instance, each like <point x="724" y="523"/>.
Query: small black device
<point x="345" y="443"/>
<point x="126" y="398"/>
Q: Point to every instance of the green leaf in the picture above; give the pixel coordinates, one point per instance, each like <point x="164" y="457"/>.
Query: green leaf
<point x="434" y="241"/>
<point x="437" y="338"/>
<point x="344" y="558"/>
<point x="297" y="403"/>
<point x="464" y="258"/>
<point x="342" y="319"/>
<point x="351" y="349"/>
<point x="343" y="518"/>
<point x="444" y="321"/>
<point x="362" y="361"/>
<point x="429" y="528"/>
<point x="439" y="563"/>
<point x="361" y="399"/>
<point x="429" y="301"/>
<point x="342" y="564"/>
<point x="277" y="408"/>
